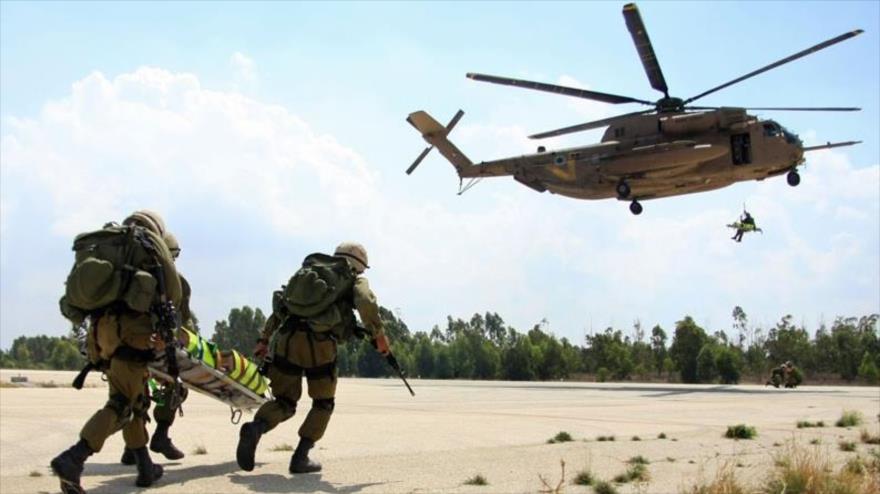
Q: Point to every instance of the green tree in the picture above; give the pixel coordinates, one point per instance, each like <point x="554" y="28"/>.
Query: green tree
<point x="686" y="345"/>
<point x="658" y="347"/>
<point x="241" y="329"/>
<point x="728" y="361"/>
<point x="707" y="371"/>
<point x="868" y="370"/>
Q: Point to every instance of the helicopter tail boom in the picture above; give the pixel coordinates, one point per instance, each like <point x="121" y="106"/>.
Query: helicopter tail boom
<point x="436" y="134"/>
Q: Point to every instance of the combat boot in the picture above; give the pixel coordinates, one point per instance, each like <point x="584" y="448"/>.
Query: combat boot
<point x="161" y="443"/>
<point x="68" y="466"/>
<point x="248" y="438"/>
<point x="300" y="462"/>
<point x="148" y="472"/>
<point x="128" y="457"/>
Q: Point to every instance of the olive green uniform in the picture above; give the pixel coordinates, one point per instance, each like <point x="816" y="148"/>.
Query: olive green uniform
<point x="127" y="375"/>
<point x="298" y="351"/>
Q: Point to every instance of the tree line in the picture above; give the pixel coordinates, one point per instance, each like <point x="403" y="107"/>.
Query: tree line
<point x="485" y="347"/>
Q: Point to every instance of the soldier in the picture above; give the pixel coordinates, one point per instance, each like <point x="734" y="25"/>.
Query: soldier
<point x="747" y="223"/>
<point x="782" y="375"/>
<point x="167" y="406"/>
<point x="306" y="345"/>
<point x="133" y="336"/>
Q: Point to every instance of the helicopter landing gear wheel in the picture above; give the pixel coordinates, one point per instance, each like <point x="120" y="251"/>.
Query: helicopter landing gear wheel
<point x="635" y="208"/>
<point x="622" y="189"/>
<point x="793" y="178"/>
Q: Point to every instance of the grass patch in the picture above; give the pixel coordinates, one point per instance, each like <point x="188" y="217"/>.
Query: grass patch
<point x="35" y="473"/>
<point x="805" y="424"/>
<point x="867" y="438"/>
<point x="638" y="460"/>
<point x="200" y="450"/>
<point x="662" y="435"/>
<point x="740" y="431"/>
<point x="816" y="442"/>
<point x="603" y="487"/>
<point x="636" y="438"/>
<point x="674" y="439"/>
<point x="776" y="445"/>
<point x="850" y="418"/>
<point x="803" y="471"/>
<point x="476" y="480"/>
<point x="4" y="384"/>
<point x="561" y="437"/>
<point x="633" y="473"/>
<point x="584" y="477"/>
<point x="605" y="438"/>
<point x="848" y="446"/>
<point x="281" y="447"/>
<point x="725" y="482"/>
<point x="670" y="459"/>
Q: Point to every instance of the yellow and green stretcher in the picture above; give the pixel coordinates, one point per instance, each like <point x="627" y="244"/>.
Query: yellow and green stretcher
<point x="224" y="375"/>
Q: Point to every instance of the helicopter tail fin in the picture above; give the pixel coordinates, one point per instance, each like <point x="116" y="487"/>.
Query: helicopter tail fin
<point x="435" y="134"/>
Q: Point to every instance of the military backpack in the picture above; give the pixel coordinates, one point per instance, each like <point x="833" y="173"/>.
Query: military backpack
<point x="313" y="291"/>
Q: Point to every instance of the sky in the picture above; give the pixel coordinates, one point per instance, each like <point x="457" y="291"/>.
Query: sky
<point x="263" y="132"/>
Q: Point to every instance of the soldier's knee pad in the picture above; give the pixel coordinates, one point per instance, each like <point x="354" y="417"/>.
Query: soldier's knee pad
<point x="326" y="404"/>
<point x="119" y="404"/>
<point x="288" y="406"/>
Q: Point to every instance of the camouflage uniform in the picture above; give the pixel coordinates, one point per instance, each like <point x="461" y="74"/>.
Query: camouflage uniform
<point x="127" y="376"/>
<point x="298" y="351"/>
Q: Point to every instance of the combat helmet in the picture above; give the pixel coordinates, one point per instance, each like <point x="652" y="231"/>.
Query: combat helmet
<point x="147" y="219"/>
<point x="172" y="244"/>
<point x="355" y="253"/>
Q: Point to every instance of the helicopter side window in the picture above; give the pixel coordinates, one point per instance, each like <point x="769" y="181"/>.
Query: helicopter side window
<point x="771" y="130"/>
<point x="619" y="132"/>
<point x="741" y="149"/>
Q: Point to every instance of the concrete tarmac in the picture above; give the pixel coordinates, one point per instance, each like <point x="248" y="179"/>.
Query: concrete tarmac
<point x="381" y="440"/>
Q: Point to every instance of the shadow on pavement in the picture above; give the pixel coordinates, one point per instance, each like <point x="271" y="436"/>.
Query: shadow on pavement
<point x="659" y="389"/>
<point x="295" y="483"/>
<point x="127" y="474"/>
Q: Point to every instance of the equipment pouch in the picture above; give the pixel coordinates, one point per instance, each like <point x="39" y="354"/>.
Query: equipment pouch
<point x="103" y="338"/>
<point x="71" y="313"/>
<point x="141" y="290"/>
<point x="93" y="283"/>
<point x="326" y="320"/>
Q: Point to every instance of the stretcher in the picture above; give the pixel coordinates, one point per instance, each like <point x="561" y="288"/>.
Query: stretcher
<point x="226" y="376"/>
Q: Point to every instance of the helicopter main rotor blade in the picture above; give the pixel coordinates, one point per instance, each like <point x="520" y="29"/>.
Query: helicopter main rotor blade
<point x="552" y="88"/>
<point x="644" y="47"/>
<point x="812" y="49"/>
<point x="831" y="145"/>
<point x="805" y="108"/>
<point x="587" y="126"/>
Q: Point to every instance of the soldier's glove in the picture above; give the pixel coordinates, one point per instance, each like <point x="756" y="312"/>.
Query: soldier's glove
<point x="380" y="342"/>
<point x="261" y="349"/>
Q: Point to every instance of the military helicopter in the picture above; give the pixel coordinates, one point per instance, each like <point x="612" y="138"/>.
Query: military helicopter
<point x="670" y="149"/>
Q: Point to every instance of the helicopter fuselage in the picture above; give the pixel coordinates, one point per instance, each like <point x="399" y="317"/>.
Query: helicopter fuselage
<point x="659" y="155"/>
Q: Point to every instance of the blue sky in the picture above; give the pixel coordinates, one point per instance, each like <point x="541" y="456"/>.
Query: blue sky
<point x="267" y="131"/>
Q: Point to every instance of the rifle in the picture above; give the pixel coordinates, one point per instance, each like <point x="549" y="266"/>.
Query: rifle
<point x="166" y="324"/>
<point x="396" y="366"/>
<point x="361" y="332"/>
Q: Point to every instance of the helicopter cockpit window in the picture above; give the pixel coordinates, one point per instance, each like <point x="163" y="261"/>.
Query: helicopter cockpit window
<point x="771" y="129"/>
<point x="790" y="137"/>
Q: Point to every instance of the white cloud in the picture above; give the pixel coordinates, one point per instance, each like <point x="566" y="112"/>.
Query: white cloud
<point x="245" y="69"/>
<point x="155" y="138"/>
<point x="152" y="136"/>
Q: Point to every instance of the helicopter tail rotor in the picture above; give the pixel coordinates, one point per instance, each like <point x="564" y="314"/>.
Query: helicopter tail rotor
<point x="425" y="124"/>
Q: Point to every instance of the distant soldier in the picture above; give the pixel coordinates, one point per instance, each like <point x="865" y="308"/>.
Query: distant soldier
<point x="124" y="282"/>
<point x="784" y="375"/>
<point x="167" y="405"/>
<point x="310" y="315"/>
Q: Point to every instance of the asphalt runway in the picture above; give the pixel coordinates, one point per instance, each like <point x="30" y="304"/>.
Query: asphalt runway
<point x="381" y="440"/>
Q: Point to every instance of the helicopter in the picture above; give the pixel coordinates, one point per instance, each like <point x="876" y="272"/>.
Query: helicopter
<point x="670" y="149"/>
